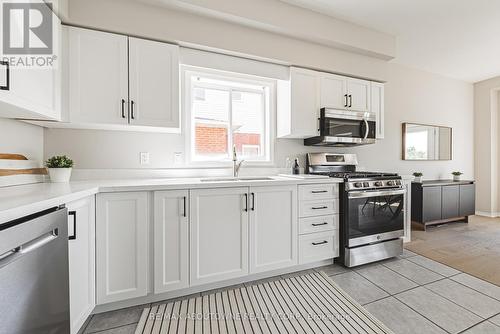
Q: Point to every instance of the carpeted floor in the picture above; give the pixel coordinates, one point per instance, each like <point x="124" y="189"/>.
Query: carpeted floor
<point x="473" y="248"/>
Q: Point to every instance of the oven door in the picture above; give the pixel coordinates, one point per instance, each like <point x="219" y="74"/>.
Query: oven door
<point x="341" y="124"/>
<point x="374" y="216"/>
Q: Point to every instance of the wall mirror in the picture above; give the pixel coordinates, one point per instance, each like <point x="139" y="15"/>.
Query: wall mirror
<point x="426" y="142"/>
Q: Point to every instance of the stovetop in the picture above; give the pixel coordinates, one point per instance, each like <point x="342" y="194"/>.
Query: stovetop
<point x="360" y="175"/>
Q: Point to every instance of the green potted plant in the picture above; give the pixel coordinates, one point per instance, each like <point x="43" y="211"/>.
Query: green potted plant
<point x="418" y="176"/>
<point x="456" y="176"/>
<point x="60" y="167"/>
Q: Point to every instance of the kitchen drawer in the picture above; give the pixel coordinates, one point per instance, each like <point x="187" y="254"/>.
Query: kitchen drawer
<point x="318" y="246"/>
<point x="318" y="208"/>
<point x="318" y="191"/>
<point x="318" y="224"/>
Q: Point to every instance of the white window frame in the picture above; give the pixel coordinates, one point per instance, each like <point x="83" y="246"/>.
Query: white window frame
<point x="270" y="113"/>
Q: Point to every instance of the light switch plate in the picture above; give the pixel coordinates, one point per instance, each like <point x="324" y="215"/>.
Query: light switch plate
<point x="144" y="158"/>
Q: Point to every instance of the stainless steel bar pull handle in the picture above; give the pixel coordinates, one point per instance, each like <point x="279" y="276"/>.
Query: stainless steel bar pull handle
<point x="132" y="112"/>
<point x="123" y="108"/>
<point x="350" y="101"/>
<point x="27" y="247"/>
<point x="73" y="213"/>
<point x="246" y="203"/>
<point x="319" y="224"/>
<point x="253" y="201"/>
<point x="319" y="207"/>
<point x="346" y="103"/>
<point x="367" y="131"/>
<point x="319" y="191"/>
<point x="320" y="243"/>
<point x="185" y="212"/>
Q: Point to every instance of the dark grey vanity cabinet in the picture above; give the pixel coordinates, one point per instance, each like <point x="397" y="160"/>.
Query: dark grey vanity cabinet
<point x="435" y="202"/>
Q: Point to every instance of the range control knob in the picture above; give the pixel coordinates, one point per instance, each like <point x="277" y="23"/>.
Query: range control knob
<point x="391" y="183"/>
<point x="358" y="184"/>
<point x="379" y="184"/>
<point x="366" y="184"/>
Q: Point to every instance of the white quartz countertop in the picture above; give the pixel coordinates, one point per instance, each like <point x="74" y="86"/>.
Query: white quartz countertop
<point x="20" y="201"/>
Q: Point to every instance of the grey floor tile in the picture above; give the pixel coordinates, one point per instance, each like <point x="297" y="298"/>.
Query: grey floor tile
<point x="113" y="319"/>
<point x="127" y="329"/>
<point x="434" y="266"/>
<point x="358" y="287"/>
<point x="483" y="328"/>
<point x="333" y="269"/>
<point x="413" y="271"/>
<point x="439" y="310"/>
<point x="386" y="279"/>
<point x="496" y="320"/>
<point x="466" y="297"/>
<point x="478" y="284"/>
<point x="407" y="254"/>
<point x="400" y="318"/>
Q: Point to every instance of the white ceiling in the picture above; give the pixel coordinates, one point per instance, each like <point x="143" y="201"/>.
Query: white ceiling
<point x="455" y="38"/>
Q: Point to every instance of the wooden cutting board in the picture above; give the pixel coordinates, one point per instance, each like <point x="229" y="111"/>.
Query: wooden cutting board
<point x="16" y="169"/>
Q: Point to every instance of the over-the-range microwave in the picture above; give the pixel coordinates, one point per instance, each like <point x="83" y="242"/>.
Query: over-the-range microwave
<point x="344" y="128"/>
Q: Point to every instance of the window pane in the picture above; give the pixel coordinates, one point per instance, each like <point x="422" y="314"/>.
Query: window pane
<point x="211" y="120"/>
<point x="248" y="124"/>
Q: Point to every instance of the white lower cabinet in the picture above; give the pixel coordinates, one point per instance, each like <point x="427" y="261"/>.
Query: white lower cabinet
<point x="81" y="231"/>
<point x="122" y="246"/>
<point x="273" y="228"/>
<point x="219" y="234"/>
<point x="318" y="246"/>
<point x="171" y="240"/>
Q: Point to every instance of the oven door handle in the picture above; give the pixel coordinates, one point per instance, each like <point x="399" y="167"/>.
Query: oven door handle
<point x="366" y="194"/>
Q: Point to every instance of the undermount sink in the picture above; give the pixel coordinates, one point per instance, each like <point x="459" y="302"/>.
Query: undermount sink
<point x="236" y="179"/>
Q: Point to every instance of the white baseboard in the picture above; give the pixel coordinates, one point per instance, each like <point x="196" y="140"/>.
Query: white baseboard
<point x="488" y="214"/>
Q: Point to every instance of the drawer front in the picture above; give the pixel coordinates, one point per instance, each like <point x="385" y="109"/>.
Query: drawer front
<point x="318" y="224"/>
<point x="318" y="191"/>
<point x="318" y="246"/>
<point x="318" y="208"/>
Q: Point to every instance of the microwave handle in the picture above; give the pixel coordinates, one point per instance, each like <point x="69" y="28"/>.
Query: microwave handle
<point x="367" y="131"/>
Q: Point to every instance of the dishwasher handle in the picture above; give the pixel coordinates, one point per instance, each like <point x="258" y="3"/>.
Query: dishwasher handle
<point x="17" y="252"/>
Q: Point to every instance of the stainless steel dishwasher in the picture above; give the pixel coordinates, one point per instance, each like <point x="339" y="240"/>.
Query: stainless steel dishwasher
<point x="34" y="281"/>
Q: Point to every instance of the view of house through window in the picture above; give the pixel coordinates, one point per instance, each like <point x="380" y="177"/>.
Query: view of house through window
<point x="226" y="111"/>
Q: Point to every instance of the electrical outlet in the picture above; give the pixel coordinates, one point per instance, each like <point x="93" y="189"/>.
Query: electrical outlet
<point x="144" y="158"/>
<point x="178" y="158"/>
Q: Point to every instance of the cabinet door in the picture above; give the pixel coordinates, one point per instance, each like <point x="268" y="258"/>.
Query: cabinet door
<point x="304" y="102"/>
<point x="98" y="77"/>
<point x="219" y="234"/>
<point x="122" y="246"/>
<point x="467" y="200"/>
<point x="359" y="94"/>
<point x="451" y="202"/>
<point x="171" y="240"/>
<point x="33" y="92"/>
<point x="273" y="228"/>
<point x="377" y="107"/>
<point x="431" y="197"/>
<point x="154" y="83"/>
<point x="81" y="244"/>
<point x="333" y="91"/>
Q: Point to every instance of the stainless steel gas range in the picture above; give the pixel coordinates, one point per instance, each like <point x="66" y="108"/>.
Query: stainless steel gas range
<point x="372" y="209"/>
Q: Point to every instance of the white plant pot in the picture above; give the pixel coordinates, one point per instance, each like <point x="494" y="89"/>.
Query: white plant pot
<point x="60" y="174"/>
<point x="418" y="179"/>
<point x="456" y="177"/>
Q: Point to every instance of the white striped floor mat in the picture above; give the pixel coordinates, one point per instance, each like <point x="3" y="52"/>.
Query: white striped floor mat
<point x="311" y="303"/>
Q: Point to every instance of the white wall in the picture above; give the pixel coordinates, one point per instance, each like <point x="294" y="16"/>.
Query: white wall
<point x="21" y="138"/>
<point x="486" y="111"/>
<point x="411" y="95"/>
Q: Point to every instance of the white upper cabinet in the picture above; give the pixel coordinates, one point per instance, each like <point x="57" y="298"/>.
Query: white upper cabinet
<point x="171" y="240"/>
<point x="333" y="92"/>
<point x="32" y="92"/>
<point x="219" y="234"/>
<point x="98" y="79"/>
<point x="298" y="104"/>
<point x="358" y="94"/>
<point x="154" y="88"/>
<point x="301" y="98"/>
<point x="122" y="246"/>
<point x="273" y="228"/>
<point x="377" y="107"/>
